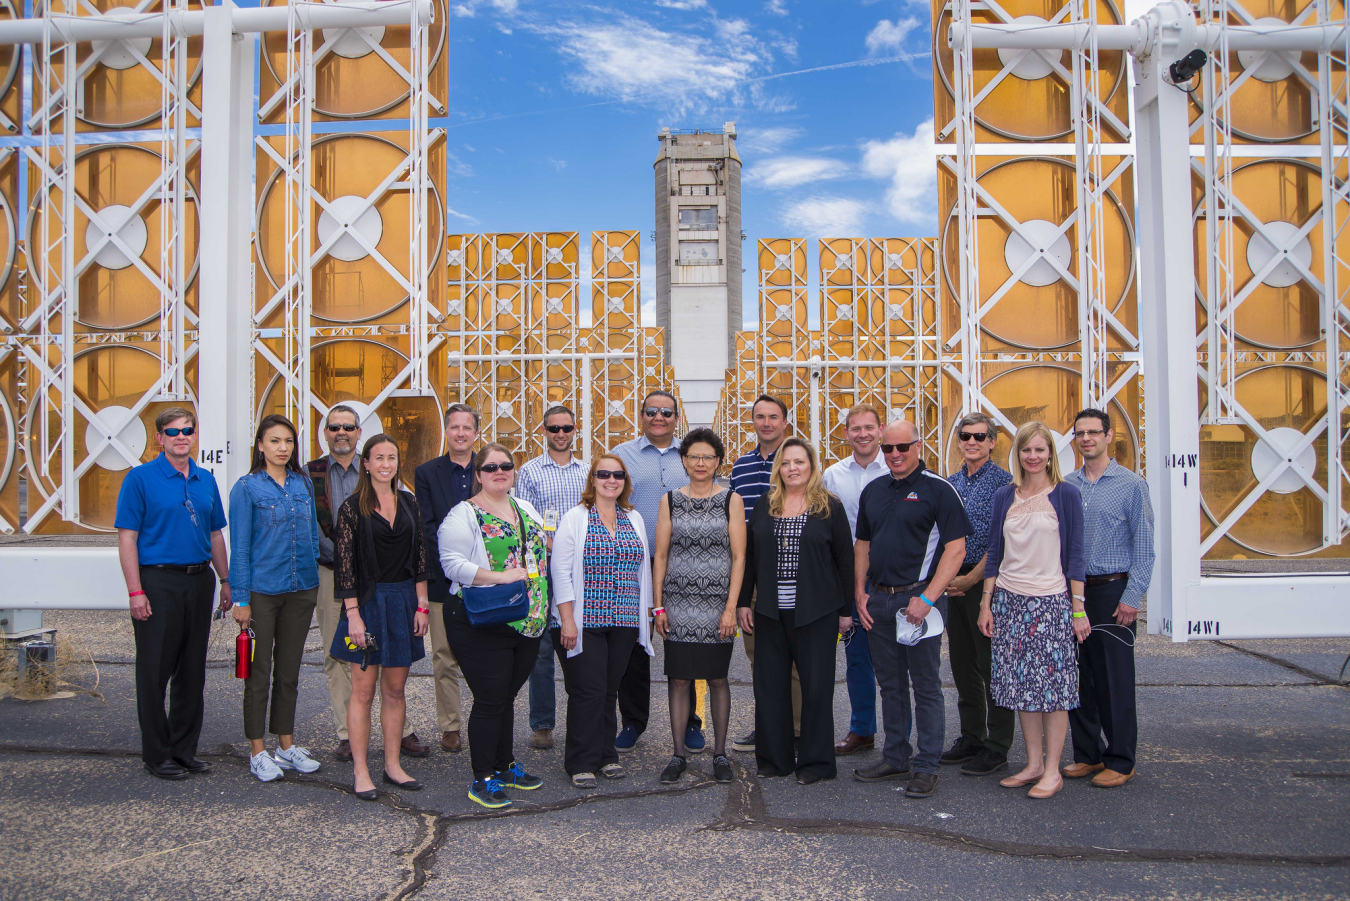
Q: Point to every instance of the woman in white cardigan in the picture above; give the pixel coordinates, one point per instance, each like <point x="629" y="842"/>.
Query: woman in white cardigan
<point x="494" y="539"/>
<point x="602" y="598"/>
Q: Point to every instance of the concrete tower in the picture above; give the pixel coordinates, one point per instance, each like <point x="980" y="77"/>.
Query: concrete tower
<point x="698" y="260"/>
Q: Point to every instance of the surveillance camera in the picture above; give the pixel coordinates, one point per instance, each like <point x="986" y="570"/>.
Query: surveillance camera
<point x="1186" y="68"/>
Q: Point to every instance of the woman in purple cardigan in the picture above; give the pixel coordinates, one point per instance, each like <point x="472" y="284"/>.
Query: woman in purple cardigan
<point x="1032" y="605"/>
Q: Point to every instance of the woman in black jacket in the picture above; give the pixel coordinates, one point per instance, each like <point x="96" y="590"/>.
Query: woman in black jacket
<point x="800" y="555"/>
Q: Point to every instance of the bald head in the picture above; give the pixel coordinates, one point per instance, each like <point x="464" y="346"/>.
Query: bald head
<point x="901" y="433"/>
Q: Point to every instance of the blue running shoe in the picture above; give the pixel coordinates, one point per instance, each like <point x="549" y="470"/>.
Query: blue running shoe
<point x="516" y="777"/>
<point x="627" y="739"/>
<point x="488" y="792"/>
<point x="694" y="742"/>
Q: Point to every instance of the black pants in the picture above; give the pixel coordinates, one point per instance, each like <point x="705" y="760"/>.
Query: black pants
<point x="1105" y="685"/>
<point x="982" y="721"/>
<point x="779" y="643"/>
<point x="496" y="662"/>
<point x="171" y="648"/>
<point x="592" y="679"/>
<point x="635" y="693"/>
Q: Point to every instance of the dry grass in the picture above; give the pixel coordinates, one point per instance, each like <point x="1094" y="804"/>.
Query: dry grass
<point x="72" y="672"/>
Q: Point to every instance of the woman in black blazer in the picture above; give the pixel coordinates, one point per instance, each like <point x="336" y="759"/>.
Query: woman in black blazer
<point x="799" y="554"/>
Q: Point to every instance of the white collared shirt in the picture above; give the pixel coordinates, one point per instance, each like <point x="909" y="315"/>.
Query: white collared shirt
<point x="846" y="480"/>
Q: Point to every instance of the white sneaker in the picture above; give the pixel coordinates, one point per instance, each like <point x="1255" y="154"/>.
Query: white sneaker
<point x="262" y="766"/>
<point x="296" y="758"/>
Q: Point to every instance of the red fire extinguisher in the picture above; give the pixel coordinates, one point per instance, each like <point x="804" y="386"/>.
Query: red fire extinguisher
<point x="243" y="653"/>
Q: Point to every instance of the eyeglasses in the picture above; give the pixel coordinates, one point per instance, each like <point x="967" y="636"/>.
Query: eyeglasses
<point x="174" y="433"/>
<point x="702" y="458"/>
<point x="493" y="467"/>
<point x="898" y="448"/>
<point x="1089" y="433"/>
<point x="652" y="412"/>
<point x="346" y="427"/>
<point x="973" y="436"/>
<point x="565" y="429"/>
<point x="603" y="474"/>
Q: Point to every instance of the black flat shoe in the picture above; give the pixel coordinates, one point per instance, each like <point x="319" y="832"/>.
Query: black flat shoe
<point x="411" y="785"/>
<point x="808" y="777"/>
<point x="366" y="795"/>
<point x="167" y="769"/>
<point x="193" y="765"/>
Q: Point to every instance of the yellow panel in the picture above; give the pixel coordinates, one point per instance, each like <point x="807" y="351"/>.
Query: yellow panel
<point x="10" y="461"/>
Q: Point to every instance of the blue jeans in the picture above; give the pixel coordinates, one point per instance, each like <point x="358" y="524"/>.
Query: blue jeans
<point x="543" y="703"/>
<point x="897" y="668"/>
<point x="862" y="682"/>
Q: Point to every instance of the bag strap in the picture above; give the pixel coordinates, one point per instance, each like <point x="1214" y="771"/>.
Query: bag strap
<point x="726" y="504"/>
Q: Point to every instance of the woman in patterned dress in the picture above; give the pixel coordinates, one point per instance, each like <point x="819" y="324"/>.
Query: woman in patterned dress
<point x="602" y="583"/>
<point x="495" y="539"/>
<point x="696" y="577"/>
<point x="1032" y="606"/>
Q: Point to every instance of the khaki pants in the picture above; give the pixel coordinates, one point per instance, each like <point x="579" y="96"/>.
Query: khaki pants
<point x="796" y="682"/>
<point x="338" y="673"/>
<point x="445" y="669"/>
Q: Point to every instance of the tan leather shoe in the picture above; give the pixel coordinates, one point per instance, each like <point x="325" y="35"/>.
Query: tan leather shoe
<point x="1079" y="770"/>
<point x="450" y="741"/>
<point x="1110" y="778"/>
<point x="414" y="746"/>
<point x="854" y="743"/>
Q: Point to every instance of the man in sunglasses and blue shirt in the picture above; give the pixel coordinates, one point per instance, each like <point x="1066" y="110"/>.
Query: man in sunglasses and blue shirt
<point x="169" y="523"/>
<point x="552" y="482"/>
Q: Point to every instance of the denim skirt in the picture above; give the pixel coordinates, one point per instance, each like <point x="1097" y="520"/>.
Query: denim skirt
<point x="389" y="617"/>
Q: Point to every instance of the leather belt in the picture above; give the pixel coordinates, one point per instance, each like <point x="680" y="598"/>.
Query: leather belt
<point x="1109" y="577"/>
<point x="896" y="589"/>
<point x="190" y="569"/>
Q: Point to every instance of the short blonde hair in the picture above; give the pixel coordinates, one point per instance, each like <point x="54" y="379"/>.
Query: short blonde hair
<point x="1024" y="435"/>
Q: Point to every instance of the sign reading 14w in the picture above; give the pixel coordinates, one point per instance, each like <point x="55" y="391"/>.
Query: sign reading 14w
<point x="1184" y="462"/>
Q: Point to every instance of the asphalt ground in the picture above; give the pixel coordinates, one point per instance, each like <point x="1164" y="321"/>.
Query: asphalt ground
<point x="1243" y="791"/>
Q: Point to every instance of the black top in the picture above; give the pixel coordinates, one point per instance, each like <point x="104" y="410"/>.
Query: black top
<point x="358" y="564"/>
<point x="441" y="484"/>
<point x="908" y="521"/>
<point x="393" y="546"/>
<point x="824" y="568"/>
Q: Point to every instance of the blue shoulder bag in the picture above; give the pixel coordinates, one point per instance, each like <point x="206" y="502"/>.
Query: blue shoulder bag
<point x="495" y="605"/>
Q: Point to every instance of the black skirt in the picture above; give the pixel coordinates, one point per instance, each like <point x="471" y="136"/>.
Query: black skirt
<point x="698" y="660"/>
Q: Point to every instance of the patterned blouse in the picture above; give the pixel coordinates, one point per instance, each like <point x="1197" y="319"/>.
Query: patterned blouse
<point x="787" y="531"/>
<point x="502" y="543"/>
<point x="613" y="572"/>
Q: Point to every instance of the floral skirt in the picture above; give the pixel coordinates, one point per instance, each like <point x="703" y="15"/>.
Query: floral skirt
<point x="1035" y="666"/>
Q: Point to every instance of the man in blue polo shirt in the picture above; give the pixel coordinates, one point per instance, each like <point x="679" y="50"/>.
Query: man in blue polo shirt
<point x="169" y="522"/>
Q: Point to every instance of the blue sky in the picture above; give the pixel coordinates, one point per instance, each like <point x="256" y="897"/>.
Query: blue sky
<point x="555" y="108"/>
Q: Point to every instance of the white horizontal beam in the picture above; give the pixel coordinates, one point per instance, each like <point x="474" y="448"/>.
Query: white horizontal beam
<point x="191" y="23"/>
<point x="1254" y="606"/>
<point x="456" y="357"/>
<point x="1138" y="35"/>
<point x="63" y="578"/>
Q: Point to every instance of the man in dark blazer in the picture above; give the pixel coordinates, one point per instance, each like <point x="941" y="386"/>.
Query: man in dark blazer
<point x="441" y="484"/>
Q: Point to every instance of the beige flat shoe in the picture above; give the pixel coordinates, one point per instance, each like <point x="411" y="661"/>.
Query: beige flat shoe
<point x="1041" y="794"/>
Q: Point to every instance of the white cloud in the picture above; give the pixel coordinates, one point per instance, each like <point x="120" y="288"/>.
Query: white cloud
<point x="458" y="215"/>
<point x="777" y="7"/>
<point x="766" y="140"/>
<point x="469" y="8"/>
<point x="908" y="163"/>
<point x="890" y="36"/>
<point x="558" y="165"/>
<point x="682" y="4"/>
<point x="792" y="171"/>
<point x="819" y="217"/>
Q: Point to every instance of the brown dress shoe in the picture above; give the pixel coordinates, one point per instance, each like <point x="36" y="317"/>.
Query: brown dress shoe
<point x="414" y="746"/>
<point x="1079" y="770"/>
<point x="854" y="743"/>
<point x="450" y="741"/>
<point x="1111" y="778"/>
<point x="343" y="751"/>
<point x="542" y="739"/>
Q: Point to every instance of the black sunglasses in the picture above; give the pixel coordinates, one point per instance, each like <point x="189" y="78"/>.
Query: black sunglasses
<point x="973" y="436"/>
<point x="898" y="448"/>
<point x="565" y="429"/>
<point x="493" y="467"/>
<point x="652" y="412"/>
<point x="602" y="474"/>
<point x="174" y="433"/>
<point x="343" y="428"/>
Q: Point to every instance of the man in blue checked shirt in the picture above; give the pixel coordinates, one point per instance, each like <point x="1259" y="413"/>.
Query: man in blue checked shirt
<point x="552" y="482"/>
<point x="1118" y="545"/>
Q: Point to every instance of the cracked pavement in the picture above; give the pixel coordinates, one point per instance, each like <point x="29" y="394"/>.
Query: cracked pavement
<point x="1243" y="792"/>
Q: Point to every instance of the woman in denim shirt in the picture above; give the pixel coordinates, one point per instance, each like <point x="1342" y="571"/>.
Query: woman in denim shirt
<point x="274" y="549"/>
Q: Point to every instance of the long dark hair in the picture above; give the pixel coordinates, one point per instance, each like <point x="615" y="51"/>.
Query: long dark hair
<point x="268" y="423"/>
<point x="365" y="489"/>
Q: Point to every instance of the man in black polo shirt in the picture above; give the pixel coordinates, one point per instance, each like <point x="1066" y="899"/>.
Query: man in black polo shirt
<point x="911" y="540"/>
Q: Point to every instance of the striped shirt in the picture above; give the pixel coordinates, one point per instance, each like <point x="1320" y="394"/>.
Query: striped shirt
<point x="750" y="477"/>
<point x="1117" y="527"/>
<point x="787" y="531"/>
<point x="549" y="486"/>
<point x="654" y="471"/>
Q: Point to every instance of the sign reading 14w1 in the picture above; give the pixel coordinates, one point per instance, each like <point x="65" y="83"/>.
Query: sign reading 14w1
<point x="1184" y="462"/>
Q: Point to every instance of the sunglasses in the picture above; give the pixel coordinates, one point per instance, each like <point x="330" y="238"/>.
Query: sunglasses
<point x="494" y="467"/>
<point x="174" y="433"/>
<point x="343" y="428"/>
<point x="652" y="412"/>
<point x="602" y="474"/>
<point x="898" y="448"/>
<point x="565" y="429"/>
<point x="973" y="436"/>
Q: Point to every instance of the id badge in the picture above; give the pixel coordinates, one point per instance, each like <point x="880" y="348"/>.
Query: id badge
<point x="531" y="564"/>
<point x="550" y="520"/>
